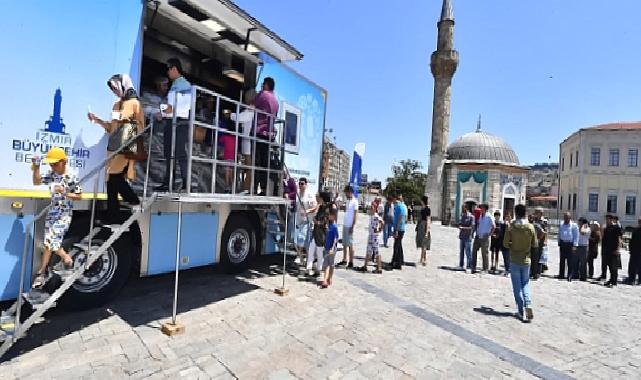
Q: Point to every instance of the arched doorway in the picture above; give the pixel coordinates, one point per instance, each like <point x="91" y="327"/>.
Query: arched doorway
<point x="509" y="199"/>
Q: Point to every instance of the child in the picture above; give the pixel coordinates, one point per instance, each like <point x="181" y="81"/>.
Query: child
<point x="319" y="231"/>
<point x="64" y="189"/>
<point x="330" y="249"/>
<point x="373" y="238"/>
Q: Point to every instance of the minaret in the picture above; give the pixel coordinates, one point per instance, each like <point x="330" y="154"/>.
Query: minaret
<point x="443" y="64"/>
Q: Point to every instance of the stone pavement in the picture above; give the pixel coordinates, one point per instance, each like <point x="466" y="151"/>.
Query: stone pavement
<point x="421" y="322"/>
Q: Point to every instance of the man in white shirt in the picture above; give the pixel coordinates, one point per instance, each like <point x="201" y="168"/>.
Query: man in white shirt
<point x="306" y="210"/>
<point x="484" y="230"/>
<point x="180" y="95"/>
<point x="351" y="212"/>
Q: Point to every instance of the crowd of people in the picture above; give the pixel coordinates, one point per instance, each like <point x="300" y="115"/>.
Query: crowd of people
<point x="523" y="244"/>
<point x="315" y="232"/>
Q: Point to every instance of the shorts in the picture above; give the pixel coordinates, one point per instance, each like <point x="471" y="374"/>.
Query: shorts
<point x="328" y="260"/>
<point x="56" y="226"/>
<point x="347" y="238"/>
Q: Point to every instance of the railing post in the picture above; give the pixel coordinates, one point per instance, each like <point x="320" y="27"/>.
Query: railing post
<point x="233" y="183"/>
<point x="172" y="162"/>
<point x="190" y="144"/>
<point x="23" y="269"/>
<point x="214" y="173"/>
<point x="93" y="216"/>
<point x="283" y="291"/>
<point x="151" y="139"/>
<point x="254" y="141"/>
<point x="178" y="236"/>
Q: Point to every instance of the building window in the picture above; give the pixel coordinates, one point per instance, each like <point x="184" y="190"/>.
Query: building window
<point x="614" y="157"/>
<point x="576" y="159"/>
<point x="569" y="201"/>
<point x="593" y="202"/>
<point x="574" y="201"/>
<point x="570" y="160"/>
<point x="561" y="202"/>
<point x="633" y="158"/>
<point x="631" y="205"/>
<point x="612" y="204"/>
<point x="595" y="157"/>
<point x="563" y="164"/>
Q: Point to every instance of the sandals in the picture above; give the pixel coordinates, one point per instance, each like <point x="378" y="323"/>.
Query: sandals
<point x="39" y="281"/>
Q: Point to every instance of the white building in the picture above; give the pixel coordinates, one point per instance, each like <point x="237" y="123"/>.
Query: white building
<point x="600" y="173"/>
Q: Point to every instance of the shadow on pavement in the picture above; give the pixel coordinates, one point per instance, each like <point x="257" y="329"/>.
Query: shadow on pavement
<point x="453" y="269"/>
<point x="145" y="300"/>
<point x="490" y="311"/>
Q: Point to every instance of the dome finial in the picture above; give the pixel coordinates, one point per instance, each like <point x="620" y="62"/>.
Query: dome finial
<point x="478" y="124"/>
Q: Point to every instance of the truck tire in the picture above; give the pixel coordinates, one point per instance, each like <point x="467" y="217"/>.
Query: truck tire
<point x="104" y="279"/>
<point x="238" y="244"/>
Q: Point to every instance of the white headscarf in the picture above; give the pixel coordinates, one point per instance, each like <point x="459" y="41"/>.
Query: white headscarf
<point x="125" y="84"/>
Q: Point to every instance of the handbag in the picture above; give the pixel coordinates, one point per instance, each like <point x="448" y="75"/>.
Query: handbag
<point x="544" y="256"/>
<point x="125" y="132"/>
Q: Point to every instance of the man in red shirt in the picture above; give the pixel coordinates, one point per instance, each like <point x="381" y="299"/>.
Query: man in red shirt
<point x="266" y="102"/>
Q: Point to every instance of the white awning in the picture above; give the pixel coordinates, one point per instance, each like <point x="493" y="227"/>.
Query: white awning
<point x="227" y="21"/>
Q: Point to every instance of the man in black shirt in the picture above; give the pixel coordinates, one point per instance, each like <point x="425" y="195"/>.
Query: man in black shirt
<point x="610" y="248"/>
<point x="634" y="266"/>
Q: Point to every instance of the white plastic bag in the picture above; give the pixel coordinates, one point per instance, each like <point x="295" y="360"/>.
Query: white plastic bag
<point x="544" y="256"/>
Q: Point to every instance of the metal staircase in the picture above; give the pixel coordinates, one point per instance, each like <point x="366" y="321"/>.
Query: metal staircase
<point x="41" y="301"/>
<point x="12" y="327"/>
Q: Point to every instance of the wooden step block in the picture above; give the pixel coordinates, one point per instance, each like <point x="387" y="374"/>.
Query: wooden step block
<point x="171" y="329"/>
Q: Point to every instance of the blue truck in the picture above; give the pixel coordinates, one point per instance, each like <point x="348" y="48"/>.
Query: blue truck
<point x="58" y="60"/>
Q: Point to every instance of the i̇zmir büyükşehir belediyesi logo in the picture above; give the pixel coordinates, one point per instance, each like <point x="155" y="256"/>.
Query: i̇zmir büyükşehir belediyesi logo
<point x="51" y="136"/>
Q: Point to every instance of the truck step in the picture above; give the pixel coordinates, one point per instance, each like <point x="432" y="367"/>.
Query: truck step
<point x="114" y="227"/>
<point x="36" y="297"/>
<point x="6" y="331"/>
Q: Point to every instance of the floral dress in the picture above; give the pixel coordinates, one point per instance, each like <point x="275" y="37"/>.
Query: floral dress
<point x="59" y="215"/>
<point x="373" y="237"/>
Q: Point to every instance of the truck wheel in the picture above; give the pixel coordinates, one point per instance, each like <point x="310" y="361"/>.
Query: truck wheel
<point x="238" y="244"/>
<point x="104" y="278"/>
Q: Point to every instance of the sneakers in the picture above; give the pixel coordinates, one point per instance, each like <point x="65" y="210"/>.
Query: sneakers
<point x="350" y="265"/>
<point x="529" y="315"/>
<point x="342" y="263"/>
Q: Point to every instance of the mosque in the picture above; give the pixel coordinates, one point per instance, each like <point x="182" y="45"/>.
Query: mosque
<point x="477" y="167"/>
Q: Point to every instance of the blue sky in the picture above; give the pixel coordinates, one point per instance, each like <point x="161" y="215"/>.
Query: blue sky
<point x="536" y="71"/>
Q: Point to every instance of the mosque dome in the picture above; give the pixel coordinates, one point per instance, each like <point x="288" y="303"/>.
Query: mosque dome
<point x="480" y="146"/>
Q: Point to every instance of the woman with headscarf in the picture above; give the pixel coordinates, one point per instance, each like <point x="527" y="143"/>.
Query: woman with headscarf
<point x="121" y="168"/>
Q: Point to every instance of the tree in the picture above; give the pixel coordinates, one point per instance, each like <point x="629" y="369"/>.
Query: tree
<point x="408" y="179"/>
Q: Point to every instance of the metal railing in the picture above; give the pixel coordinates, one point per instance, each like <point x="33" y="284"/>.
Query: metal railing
<point x="209" y="132"/>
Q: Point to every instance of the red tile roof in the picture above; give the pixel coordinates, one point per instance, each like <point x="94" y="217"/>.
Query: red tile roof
<point x="613" y="126"/>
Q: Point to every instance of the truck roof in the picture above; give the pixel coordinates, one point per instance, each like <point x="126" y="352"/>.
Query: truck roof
<point x="227" y="21"/>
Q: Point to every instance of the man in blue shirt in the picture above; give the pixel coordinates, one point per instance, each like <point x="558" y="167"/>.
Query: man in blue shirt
<point x="568" y="239"/>
<point x="400" y="218"/>
<point x="180" y="87"/>
<point x="484" y="230"/>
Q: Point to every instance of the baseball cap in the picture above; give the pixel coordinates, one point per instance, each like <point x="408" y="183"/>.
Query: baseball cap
<point x="54" y="155"/>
